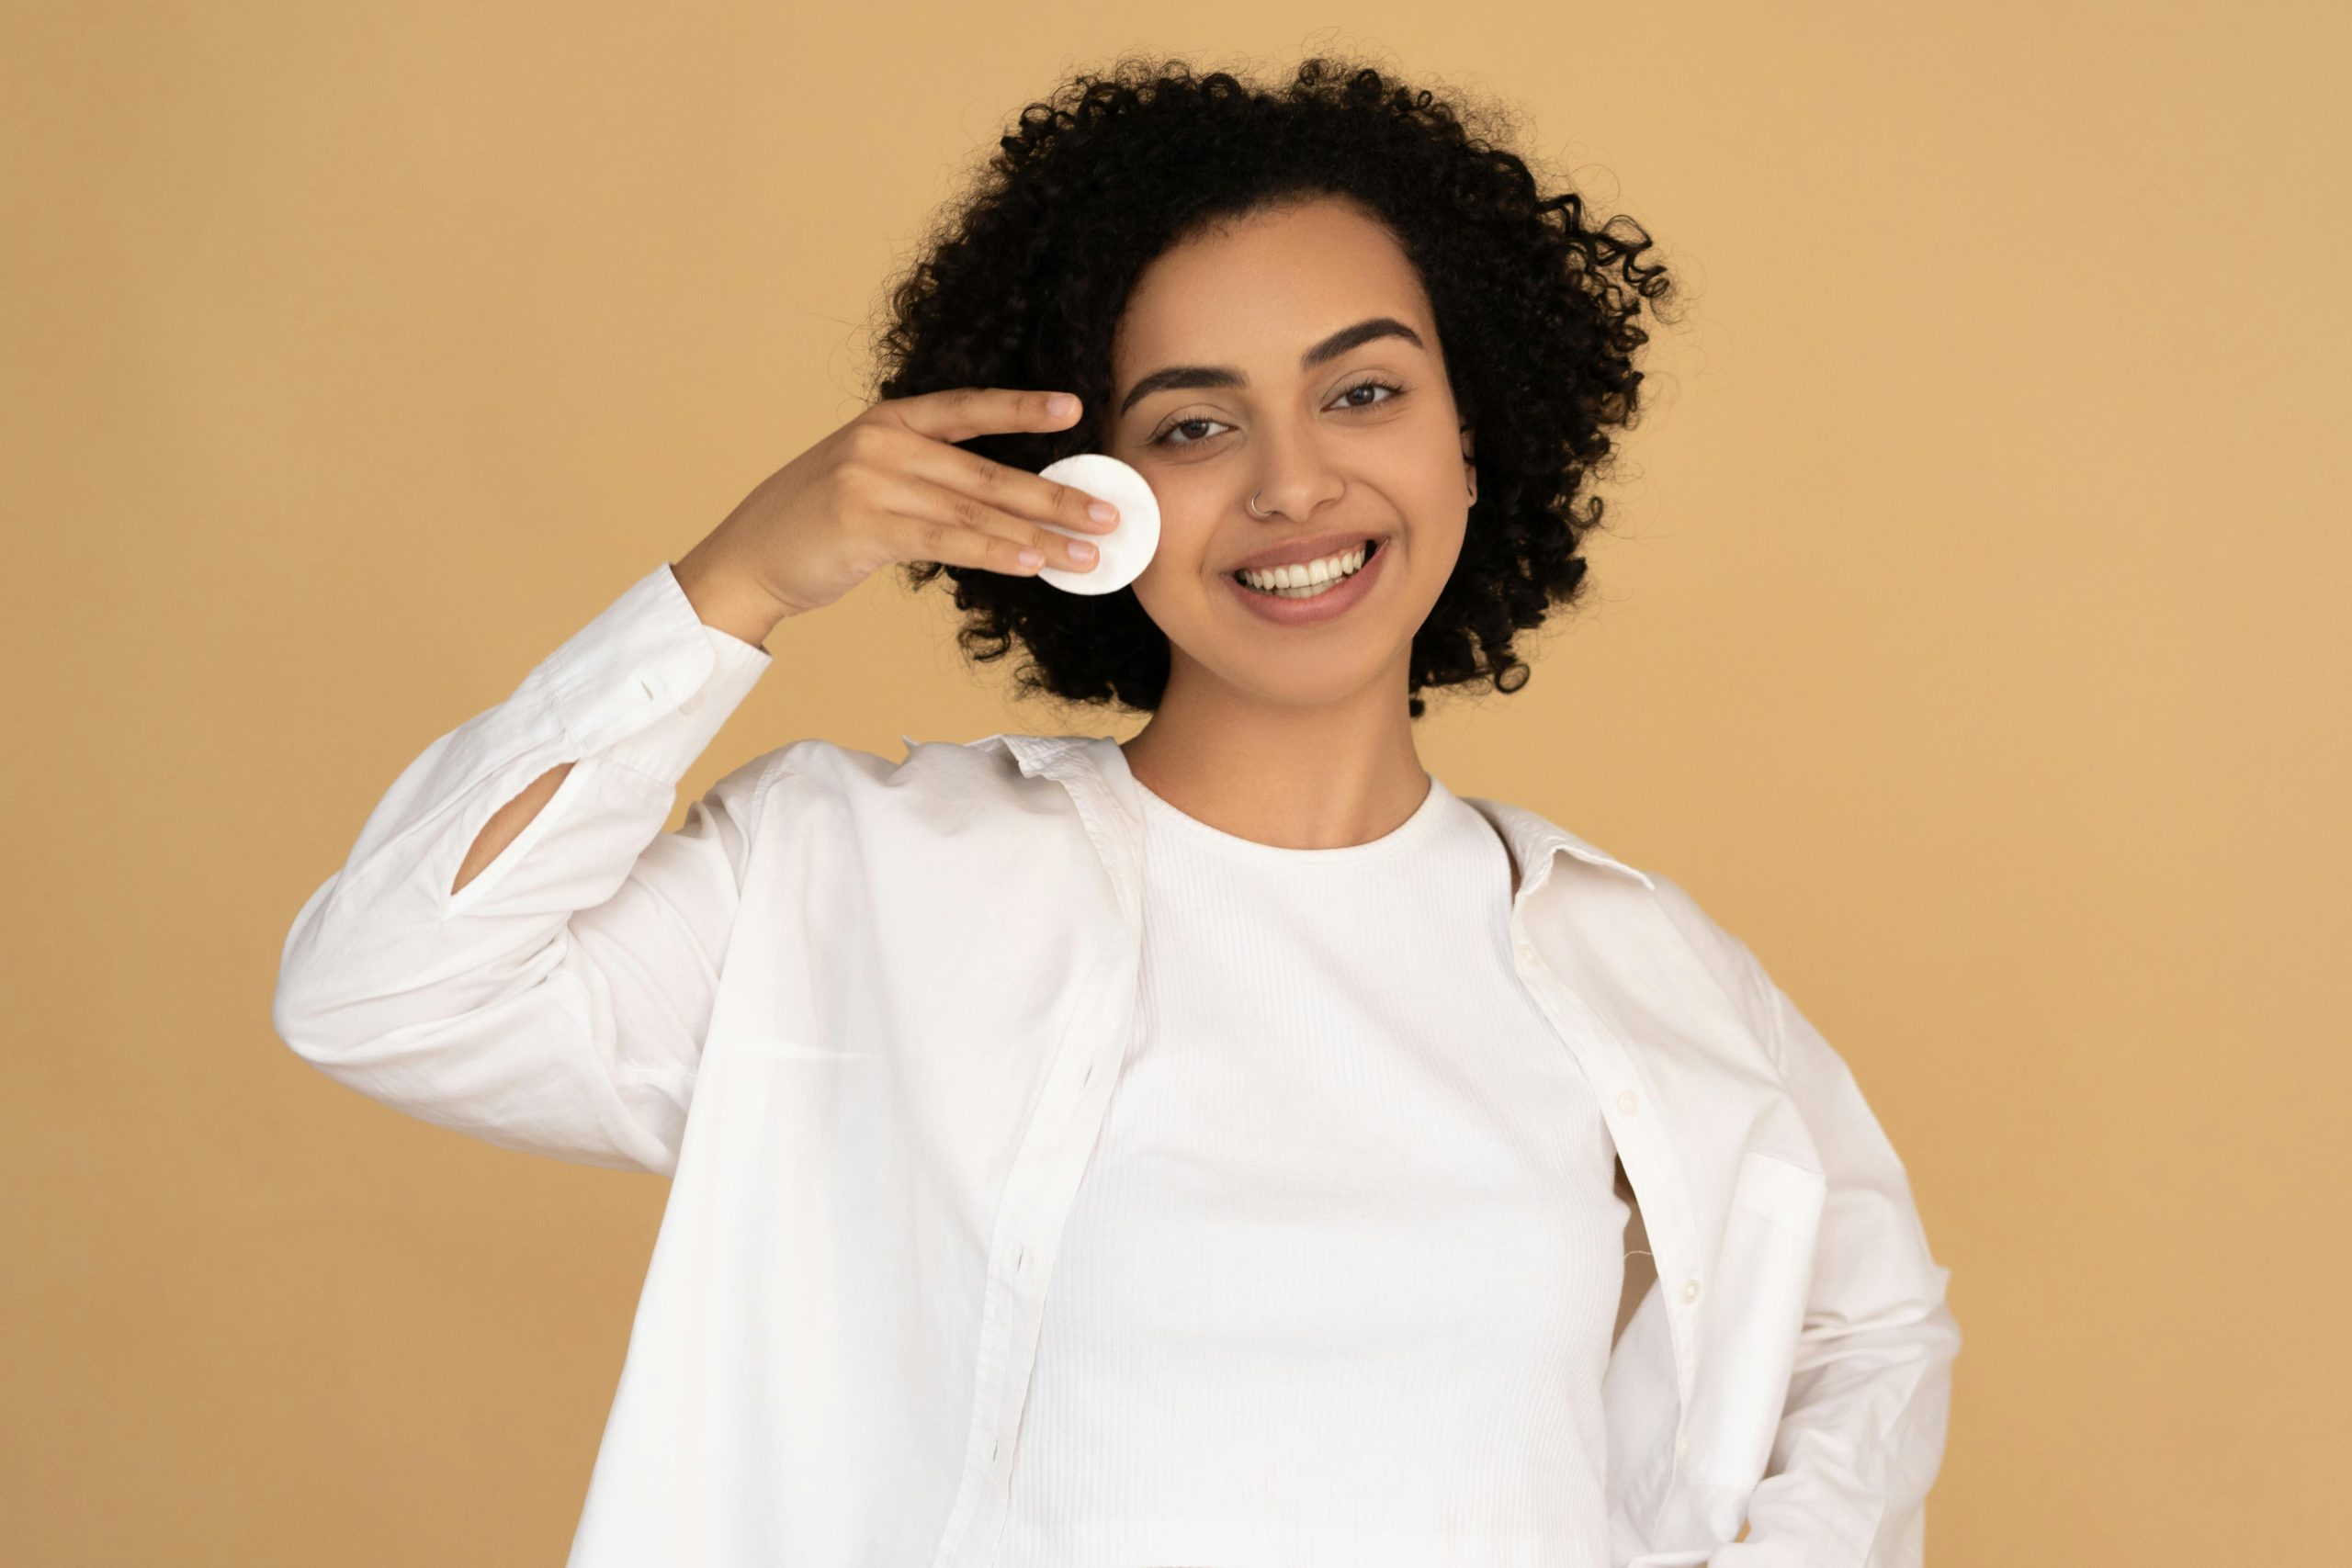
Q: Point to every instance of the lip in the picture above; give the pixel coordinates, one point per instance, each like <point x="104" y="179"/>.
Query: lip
<point x="1323" y="606"/>
<point x="1295" y="552"/>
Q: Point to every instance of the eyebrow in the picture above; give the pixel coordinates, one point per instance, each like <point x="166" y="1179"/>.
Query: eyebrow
<point x="1192" y="375"/>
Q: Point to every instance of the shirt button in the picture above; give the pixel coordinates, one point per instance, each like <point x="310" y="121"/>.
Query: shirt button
<point x="1525" y="950"/>
<point x="1628" y="1102"/>
<point x="691" y="704"/>
<point x="1689" y="1289"/>
<point x="1681" y="1448"/>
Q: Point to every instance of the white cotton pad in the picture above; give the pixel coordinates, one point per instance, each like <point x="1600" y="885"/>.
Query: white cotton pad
<point x="1125" y="550"/>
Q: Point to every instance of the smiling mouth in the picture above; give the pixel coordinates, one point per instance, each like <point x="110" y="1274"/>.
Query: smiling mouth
<point x="1370" y="547"/>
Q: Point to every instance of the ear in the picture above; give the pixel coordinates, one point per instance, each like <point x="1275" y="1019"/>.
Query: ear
<point x="1469" y="461"/>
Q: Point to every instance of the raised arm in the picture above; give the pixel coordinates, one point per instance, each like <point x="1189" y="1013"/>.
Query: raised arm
<point x="513" y="948"/>
<point x="724" y="603"/>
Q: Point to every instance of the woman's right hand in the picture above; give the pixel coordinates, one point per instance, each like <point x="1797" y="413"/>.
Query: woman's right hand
<point x="890" y="486"/>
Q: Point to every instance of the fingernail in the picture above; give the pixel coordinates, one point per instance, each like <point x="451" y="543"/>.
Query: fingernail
<point x="1103" y="512"/>
<point x="1062" y="403"/>
<point x="1081" y="550"/>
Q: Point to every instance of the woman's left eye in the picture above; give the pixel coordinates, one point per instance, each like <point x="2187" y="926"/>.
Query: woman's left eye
<point x="1374" y="384"/>
<point x="1371" y="384"/>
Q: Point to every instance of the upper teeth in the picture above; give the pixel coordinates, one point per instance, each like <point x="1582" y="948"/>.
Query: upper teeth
<point x="1305" y="574"/>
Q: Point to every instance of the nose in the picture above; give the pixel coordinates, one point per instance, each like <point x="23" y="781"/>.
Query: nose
<point x="1293" y="476"/>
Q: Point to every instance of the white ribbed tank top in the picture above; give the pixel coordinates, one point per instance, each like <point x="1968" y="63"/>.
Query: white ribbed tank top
<point x="1339" y="1286"/>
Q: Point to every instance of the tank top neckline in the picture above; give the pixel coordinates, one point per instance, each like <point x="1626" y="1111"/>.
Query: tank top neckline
<point x="1174" y="819"/>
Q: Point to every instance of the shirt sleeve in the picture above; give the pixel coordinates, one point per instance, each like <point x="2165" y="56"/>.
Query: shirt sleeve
<point x="557" y="1003"/>
<point x="1861" y="1435"/>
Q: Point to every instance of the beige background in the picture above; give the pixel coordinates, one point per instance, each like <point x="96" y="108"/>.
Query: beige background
<point x="1971" y="639"/>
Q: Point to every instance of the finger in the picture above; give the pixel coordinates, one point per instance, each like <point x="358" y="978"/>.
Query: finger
<point x="958" y="413"/>
<point x="924" y="539"/>
<point x="1006" y="487"/>
<point x="932" y="506"/>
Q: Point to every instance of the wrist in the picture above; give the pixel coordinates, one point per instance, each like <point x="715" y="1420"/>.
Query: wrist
<point x="725" y="596"/>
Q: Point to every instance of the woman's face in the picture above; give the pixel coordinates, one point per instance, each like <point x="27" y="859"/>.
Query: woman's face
<point x="1215" y="399"/>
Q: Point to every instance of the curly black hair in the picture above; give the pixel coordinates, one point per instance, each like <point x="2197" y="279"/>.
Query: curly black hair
<point x="1021" y="283"/>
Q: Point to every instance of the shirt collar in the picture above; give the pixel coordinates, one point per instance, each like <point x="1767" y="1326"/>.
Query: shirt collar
<point x="1533" y="839"/>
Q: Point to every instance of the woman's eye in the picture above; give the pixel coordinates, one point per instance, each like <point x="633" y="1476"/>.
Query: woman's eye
<point x="1165" y="436"/>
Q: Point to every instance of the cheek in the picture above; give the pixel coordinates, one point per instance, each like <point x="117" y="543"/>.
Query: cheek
<point x="1177" y="570"/>
<point x="1189" y="522"/>
<point x="1438" y="517"/>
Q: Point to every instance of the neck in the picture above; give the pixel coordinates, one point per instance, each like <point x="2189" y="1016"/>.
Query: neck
<point x="1299" y="777"/>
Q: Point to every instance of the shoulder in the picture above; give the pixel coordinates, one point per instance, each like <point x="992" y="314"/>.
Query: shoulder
<point x="1728" y="958"/>
<point x="1608" y="903"/>
<point x="828" y="764"/>
<point x="944" y="785"/>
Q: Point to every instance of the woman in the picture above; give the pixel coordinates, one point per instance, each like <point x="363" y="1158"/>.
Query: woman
<point x="1215" y="1147"/>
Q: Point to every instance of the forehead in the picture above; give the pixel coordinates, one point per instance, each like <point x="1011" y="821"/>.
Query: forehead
<point x="1258" y="289"/>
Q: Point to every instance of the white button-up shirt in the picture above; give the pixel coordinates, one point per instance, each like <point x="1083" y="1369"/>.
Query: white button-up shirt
<point x="866" y="1016"/>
